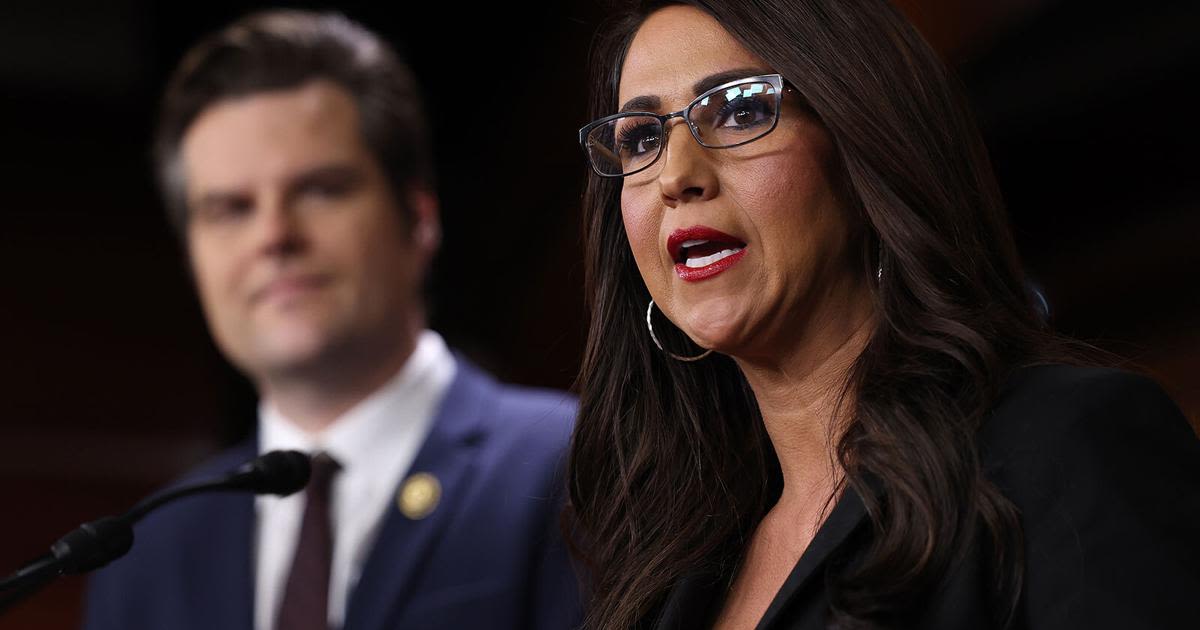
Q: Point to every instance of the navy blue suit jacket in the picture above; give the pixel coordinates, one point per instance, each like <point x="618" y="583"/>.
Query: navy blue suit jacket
<point x="489" y="556"/>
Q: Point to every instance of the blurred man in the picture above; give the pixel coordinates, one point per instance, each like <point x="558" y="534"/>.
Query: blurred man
<point x="294" y="156"/>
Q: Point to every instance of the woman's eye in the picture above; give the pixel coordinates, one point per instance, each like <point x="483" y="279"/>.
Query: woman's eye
<point x="744" y="112"/>
<point x="639" y="140"/>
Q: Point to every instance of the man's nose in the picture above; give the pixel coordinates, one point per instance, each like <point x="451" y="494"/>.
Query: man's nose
<point x="278" y="228"/>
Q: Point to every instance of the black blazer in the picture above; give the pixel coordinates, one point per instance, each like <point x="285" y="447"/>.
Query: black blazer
<point x="1105" y="472"/>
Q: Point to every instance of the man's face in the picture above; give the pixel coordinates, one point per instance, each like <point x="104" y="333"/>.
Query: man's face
<point x="301" y="255"/>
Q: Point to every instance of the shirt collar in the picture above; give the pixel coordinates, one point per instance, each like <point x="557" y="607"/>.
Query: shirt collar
<point x="370" y="429"/>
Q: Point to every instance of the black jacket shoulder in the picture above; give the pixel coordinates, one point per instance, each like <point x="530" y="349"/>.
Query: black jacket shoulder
<point x="1105" y="472"/>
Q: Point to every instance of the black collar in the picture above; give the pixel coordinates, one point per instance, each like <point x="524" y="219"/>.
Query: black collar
<point x="694" y="599"/>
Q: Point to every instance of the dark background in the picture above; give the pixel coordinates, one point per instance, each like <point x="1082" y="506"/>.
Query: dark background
<point x="110" y="385"/>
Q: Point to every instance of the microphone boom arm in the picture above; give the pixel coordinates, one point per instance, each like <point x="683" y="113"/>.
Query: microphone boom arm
<point x="99" y="542"/>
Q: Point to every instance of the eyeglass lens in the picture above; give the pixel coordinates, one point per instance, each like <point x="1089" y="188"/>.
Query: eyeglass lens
<point x="730" y="116"/>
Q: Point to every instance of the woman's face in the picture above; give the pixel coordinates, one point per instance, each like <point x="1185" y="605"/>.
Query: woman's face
<point x="777" y="266"/>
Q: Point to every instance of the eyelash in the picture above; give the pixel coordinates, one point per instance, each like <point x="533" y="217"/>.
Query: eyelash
<point x="757" y="105"/>
<point x="634" y="134"/>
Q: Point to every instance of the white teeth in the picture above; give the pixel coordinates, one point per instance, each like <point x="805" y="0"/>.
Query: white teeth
<point x="693" y="243"/>
<point x="704" y="261"/>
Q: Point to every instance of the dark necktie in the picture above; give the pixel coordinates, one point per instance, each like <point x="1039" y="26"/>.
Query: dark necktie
<point x="306" y="598"/>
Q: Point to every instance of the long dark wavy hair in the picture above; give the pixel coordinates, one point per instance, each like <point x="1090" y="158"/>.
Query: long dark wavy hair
<point x="671" y="468"/>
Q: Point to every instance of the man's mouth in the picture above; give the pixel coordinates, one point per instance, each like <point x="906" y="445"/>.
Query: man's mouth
<point x="289" y="287"/>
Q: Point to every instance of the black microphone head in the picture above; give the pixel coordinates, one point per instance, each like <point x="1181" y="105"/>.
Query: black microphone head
<point x="277" y="472"/>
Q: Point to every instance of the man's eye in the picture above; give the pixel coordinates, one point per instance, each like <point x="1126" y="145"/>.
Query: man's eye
<point x="225" y="210"/>
<point x="326" y="189"/>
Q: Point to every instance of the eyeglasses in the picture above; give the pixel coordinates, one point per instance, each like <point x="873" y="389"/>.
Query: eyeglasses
<point x="726" y="116"/>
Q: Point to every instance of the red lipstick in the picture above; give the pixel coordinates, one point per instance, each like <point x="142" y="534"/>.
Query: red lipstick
<point x="701" y="252"/>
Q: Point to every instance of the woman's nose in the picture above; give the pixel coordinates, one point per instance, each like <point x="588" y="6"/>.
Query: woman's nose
<point x="687" y="172"/>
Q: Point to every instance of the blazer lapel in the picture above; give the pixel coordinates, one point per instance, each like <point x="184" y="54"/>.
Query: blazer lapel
<point x="690" y="602"/>
<point x="403" y="545"/>
<point x="847" y="515"/>
<point x="231" y="572"/>
<point x="218" y="559"/>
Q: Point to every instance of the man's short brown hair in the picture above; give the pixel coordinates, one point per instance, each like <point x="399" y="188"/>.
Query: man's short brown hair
<point x="282" y="49"/>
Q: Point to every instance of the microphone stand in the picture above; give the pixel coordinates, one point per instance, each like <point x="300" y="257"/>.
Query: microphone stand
<point x="97" y="543"/>
<point x="91" y="546"/>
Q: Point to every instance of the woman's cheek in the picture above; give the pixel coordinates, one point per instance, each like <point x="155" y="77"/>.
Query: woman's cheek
<point x="641" y="228"/>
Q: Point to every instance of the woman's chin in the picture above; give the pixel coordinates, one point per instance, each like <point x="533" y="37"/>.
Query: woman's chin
<point x="718" y="329"/>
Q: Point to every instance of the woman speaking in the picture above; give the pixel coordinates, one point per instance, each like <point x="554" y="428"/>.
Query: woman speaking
<point x="816" y="391"/>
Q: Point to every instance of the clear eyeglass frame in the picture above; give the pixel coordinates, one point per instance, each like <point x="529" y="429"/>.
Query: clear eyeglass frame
<point x="587" y="143"/>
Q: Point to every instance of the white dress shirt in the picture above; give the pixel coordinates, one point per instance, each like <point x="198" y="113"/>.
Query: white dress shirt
<point x="375" y="442"/>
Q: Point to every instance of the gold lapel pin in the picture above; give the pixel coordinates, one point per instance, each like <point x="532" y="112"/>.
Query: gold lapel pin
<point x="419" y="495"/>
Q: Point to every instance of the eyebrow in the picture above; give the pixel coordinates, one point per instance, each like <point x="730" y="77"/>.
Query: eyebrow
<point x="651" y="103"/>
<point x="338" y="171"/>
<point x="641" y="104"/>
<point x="713" y="80"/>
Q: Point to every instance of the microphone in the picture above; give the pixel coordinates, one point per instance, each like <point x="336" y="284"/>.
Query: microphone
<point x="99" y="542"/>
<point x="278" y="472"/>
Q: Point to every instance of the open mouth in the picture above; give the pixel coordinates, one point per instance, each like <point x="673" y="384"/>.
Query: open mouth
<point x="701" y="252"/>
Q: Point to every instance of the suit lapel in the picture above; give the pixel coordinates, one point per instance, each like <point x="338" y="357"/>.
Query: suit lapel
<point x="846" y="517"/>
<point x="693" y="601"/>
<point x="403" y="545"/>
<point x="690" y="602"/>
<point x="232" y="580"/>
<point x="220" y="562"/>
